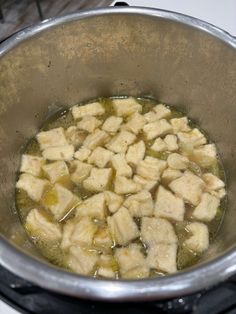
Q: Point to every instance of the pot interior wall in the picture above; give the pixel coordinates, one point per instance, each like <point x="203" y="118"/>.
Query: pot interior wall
<point x="118" y="54"/>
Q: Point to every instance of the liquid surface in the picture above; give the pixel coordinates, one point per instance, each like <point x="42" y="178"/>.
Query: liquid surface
<point x="104" y="259"/>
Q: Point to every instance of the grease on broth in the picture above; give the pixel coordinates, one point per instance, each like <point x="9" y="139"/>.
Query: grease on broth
<point x="107" y="261"/>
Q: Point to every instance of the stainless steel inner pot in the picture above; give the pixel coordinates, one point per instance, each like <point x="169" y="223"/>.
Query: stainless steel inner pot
<point x="117" y="51"/>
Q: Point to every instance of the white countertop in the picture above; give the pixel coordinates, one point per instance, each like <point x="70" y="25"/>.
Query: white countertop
<point x="5" y="309"/>
<point x="219" y="13"/>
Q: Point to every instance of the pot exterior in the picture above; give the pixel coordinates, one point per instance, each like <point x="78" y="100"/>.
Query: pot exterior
<point x="176" y="59"/>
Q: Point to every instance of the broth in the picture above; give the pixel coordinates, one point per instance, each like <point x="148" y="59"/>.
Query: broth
<point x="52" y="250"/>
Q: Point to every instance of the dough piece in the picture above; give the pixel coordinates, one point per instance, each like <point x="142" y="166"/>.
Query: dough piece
<point x="212" y="182"/>
<point x="32" y="164"/>
<point x="113" y="201"/>
<point x="120" y="142"/>
<point x="135" y="123"/>
<point x="151" y="116"/>
<point x="51" y="138"/>
<point x="145" y="183"/>
<point x="81" y="172"/>
<point x="157" y="128"/>
<point x="56" y="170"/>
<point x="135" y="153"/>
<point x="98" y="180"/>
<point x="38" y="225"/>
<point x="194" y="138"/>
<point x="177" y="161"/>
<point x="126" y="106"/>
<point x="89" y="124"/>
<point x="219" y="193"/>
<point x="80" y="232"/>
<point x="84" y="232"/>
<point x="163" y="257"/>
<point x="171" y="142"/>
<point x="189" y="187"/>
<point x="162" y="111"/>
<point x="169" y="175"/>
<point x="205" y="155"/>
<point x="158" y="112"/>
<point x="157" y="230"/>
<point x="106" y="264"/>
<point x="97" y="138"/>
<point x="106" y="272"/>
<point x="112" y="124"/>
<point x="93" y="109"/>
<point x="81" y="260"/>
<point x="168" y="205"/>
<point x="82" y="154"/>
<point x="207" y="208"/>
<point x="60" y="201"/>
<point x="102" y="238"/>
<point x="75" y="136"/>
<point x="151" y="168"/>
<point x="159" y="145"/>
<point x="140" y="204"/>
<point x="132" y="262"/>
<point x="33" y="186"/>
<point x="59" y="153"/>
<point x="123" y="185"/>
<point x="180" y="125"/>
<point x="100" y="157"/>
<point x="199" y="239"/>
<point x="120" y="165"/>
<point x="93" y="207"/>
<point x="122" y="227"/>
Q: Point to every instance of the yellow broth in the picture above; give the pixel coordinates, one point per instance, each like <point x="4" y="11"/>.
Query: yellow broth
<point x="52" y="251"/>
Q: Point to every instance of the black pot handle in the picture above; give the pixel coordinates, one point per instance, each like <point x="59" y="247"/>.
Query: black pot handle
<point x="121" y="4"/>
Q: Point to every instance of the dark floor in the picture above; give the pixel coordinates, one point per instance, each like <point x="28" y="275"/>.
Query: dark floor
<point x="17" y="14"/>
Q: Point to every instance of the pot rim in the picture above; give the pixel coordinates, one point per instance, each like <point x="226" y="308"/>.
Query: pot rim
<point x="55" y="279"/>
<point x="196" y="23"/>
